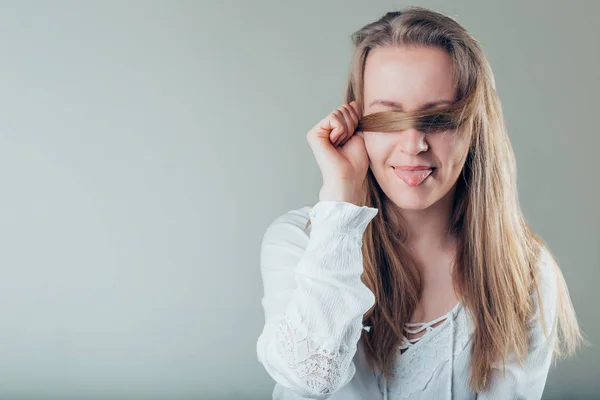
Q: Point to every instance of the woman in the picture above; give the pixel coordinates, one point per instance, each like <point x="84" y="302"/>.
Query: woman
<point x="415" y="276"/>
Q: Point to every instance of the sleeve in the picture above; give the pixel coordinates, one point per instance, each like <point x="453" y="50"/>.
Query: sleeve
<point x="314" y="299"/>
<point x="527" y="381"/>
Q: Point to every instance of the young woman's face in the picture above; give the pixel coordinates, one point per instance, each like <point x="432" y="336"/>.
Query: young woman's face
<point x="409" y="79"/>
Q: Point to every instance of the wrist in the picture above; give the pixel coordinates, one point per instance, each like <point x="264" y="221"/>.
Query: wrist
<point x="344" y="194"/>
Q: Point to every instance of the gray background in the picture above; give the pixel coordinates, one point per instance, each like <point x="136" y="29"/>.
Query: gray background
<point x="145" y="147"/>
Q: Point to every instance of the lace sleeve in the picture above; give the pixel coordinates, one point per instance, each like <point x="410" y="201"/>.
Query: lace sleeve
<point x="314" y="299"/>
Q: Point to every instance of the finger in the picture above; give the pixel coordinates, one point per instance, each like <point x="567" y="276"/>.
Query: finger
<point x="349" y="125"/>
<point x="353" y="120"/>
<point x="323" y="128"/>
<point x="338" y="116"/>
<point x="326" y="128"/>
<point x="319" y="140"/>
<point x="339" y="127"/>
<point x="358" y="108"/>
<point x="319" y="136"/>
<point x="353" y="115"/>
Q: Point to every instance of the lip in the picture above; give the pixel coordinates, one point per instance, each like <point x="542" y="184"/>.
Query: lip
<point x="412" y="167"/>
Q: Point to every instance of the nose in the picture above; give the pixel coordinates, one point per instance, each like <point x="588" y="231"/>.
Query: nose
<point x="412" y="142"/>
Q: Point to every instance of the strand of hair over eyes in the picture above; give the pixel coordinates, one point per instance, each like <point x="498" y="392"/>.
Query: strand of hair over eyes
<point x="428" y="121"/>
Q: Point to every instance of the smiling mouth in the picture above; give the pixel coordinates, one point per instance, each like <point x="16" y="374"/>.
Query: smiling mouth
<point x="413" y="177"/>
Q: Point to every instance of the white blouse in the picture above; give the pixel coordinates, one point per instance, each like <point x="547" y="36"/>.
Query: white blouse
<point x="314" y="302"/>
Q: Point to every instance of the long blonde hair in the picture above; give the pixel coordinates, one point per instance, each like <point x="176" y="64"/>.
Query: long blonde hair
<point x="497" y="250"/>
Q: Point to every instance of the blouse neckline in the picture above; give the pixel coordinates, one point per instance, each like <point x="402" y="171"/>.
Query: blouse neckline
<point x="430" y="330"/>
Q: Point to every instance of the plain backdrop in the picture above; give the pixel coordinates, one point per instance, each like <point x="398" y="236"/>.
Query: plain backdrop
<point x="145" y="146"/>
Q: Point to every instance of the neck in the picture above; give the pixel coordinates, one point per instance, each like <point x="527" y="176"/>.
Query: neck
<point x="429" y="229"/>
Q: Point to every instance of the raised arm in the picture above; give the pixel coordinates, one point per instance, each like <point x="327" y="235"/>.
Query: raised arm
<point x="314" y="299"/>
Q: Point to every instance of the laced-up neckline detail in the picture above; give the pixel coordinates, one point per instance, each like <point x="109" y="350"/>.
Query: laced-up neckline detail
<point x="415" y="328"/>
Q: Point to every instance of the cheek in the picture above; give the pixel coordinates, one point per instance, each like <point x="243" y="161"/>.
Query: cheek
<point x="378" y="146"/>
<point x="452" y="150"/>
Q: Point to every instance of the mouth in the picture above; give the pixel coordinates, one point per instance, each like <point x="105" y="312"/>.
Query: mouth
<point x="414" y="177"/>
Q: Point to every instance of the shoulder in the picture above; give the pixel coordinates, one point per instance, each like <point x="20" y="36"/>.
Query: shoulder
<point x="286" y="237"/>
<point x="547" y="276"/>
<point x="289" y="226"/>
<point x="546" y="270"/>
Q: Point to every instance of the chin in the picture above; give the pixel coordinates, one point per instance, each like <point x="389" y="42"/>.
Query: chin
<point x="415" y="202"/>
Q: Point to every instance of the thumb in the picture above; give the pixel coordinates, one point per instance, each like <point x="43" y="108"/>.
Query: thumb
<point x="325" y="154"/>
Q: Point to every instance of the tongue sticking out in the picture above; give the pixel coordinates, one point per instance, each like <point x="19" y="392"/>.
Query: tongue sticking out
<point x="413" y="178"/>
